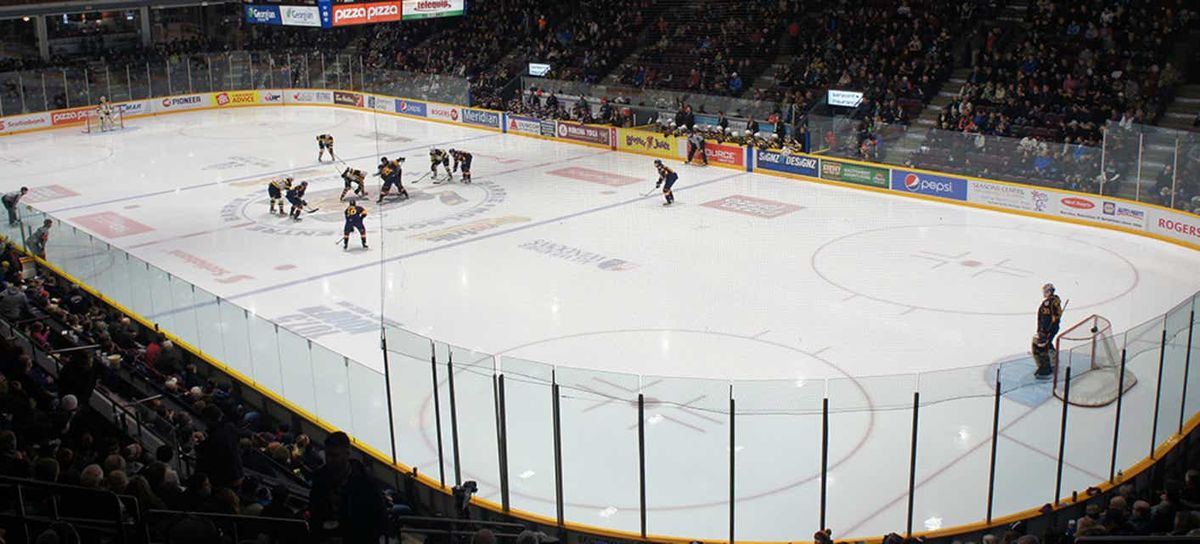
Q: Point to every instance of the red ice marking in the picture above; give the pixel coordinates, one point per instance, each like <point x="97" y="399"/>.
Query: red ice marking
<point x="499" y="160"/>
<point x="757" y="207"/>
<point x="47" y="192"/>
<point x="111" y="225"/>
<point x="594" y="176"/>
<point x="285" y="267"/>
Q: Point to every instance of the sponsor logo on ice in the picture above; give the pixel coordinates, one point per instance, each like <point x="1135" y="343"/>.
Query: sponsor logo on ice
<point x="578" y="256"/>
<point x="753" y="206"/>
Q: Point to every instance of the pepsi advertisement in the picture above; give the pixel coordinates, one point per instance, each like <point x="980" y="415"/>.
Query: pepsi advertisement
<point x="907" y="181"/>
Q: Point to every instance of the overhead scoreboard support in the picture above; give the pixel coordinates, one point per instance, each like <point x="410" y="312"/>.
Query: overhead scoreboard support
<point x="327" y="14"/>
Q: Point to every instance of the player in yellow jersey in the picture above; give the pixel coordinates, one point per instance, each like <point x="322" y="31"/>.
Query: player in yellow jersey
<point x="275" y="191"/>
<point x="325" y="141"/>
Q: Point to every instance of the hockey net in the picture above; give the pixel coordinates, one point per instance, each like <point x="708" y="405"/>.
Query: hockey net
<point x="97" y="122"/>
<point x="1090" y="351"/>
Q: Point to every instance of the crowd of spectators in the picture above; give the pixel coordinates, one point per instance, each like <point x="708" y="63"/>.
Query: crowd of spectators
<point x="218" y="456"/>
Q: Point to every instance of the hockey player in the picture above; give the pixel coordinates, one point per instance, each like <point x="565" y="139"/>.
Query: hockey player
<point x="351" y="176"/>
<point x="1049" y="316"/>
<point x="354" y="221"/>
<point x="389" y="172"/>
<point x="436" y="157"/>
<point x="105" y="113"/>
<point x="325" y="141"/>
<point x="295" y="196"/>
<point x="666" y="179"/>
<point x="462" y="158"/>
<point x="275" y="191"/>
<point x="695" y="142"/>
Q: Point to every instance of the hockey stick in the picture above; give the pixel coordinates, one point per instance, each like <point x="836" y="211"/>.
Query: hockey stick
<point x="423" y="176"/>
<point x="650" y="192"/>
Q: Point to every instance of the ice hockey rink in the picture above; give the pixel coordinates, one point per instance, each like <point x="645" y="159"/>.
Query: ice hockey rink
<point x="790" y="290"/>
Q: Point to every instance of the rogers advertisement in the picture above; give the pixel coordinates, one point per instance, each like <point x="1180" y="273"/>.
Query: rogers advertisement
<point x="362" y="14"/>
<point x="584" y="133"/>
<point x="445" y="113"/>
<point x="1177" y="225"/>
<point x="71" y="116"/>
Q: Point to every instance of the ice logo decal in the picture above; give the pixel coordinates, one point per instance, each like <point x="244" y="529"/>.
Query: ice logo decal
<point x="578" y="256"/>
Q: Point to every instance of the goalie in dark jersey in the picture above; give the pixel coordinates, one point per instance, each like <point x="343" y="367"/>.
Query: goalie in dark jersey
<point x="354" y="221"/>
<point x="439" y="157"/>
<point x="666" y="180"/>
<point x="1049" y="316"/>
<point x="353" y="177"/>
<point x="325" y="141"/>
<point x="463" y="159"/>
<point x="389" y="172"/>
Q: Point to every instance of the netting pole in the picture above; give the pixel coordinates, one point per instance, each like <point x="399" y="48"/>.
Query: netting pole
<point x="1175" y="172"/>
<point x="1162" y="352"/>
<point x="188" y="64"/>
<point x="1103" y="156"/>
<point x="912" y="462"/>
<point x="642" y="458"/>
<point x="995" y="434"/>
<point x="1187" y="364"/>
<point x="824" y="459"/>
<point x="107" y="83"/>
<point x="170" y="84"/>
<point x="45" y="99"/>
<point x="1137" y="187"/>
<point x="556" y="413"/>
<point x="437" y="412"/>
<point x="732" y="463"/>
<point x="149" y="82"/>
<point x="129" y="83"/>
<point x="453" y="418"/>
<point x="501" y="438"/>
<point x="67" y="86"/>
<point x="1062" y="435"/>
<point x="387" y="385"/>
<point x="1112" y="466"/>
<point x="21" y="91"/>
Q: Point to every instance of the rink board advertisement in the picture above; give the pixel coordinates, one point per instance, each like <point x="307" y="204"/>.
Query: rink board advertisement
<point x="308" y="97"/>
<point x="263" y="15"/>
<point x="348" y="99"/>
<point x="184" y="102"/>
<point x="362" y="14"/>
<point x="442" y="112"/>
<point x="590" y="134"/>
<point x="1175" y="225"/>
<point x="300" y="16"/>
<point x="726" y="154"/>
<point x="644" y="142"/>
<point x="785" y="162"/>
<point x="854" y="173"/>
<point x="1013" y="197"/>
<point x="921" y="183"/>
<point x="482" y="118"/>
<point x="22" y="123"/>
<point x="1101" y="210"/>
<point x="235" y="98"/>
<point x="70" y="117"/>
<point x="411" y="107"/>
<point x="524" y="125"/>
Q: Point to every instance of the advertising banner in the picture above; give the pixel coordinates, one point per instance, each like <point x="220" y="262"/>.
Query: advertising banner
<point x="481" y="118"/>
<point x="591" y="134"/>
<point x="854" y="173"/>
<point x="300" y="16"/>
<point x="1013" y="197"/>
<point x="548" y="129"/>
<point x="263" y="15"/>
<point x="443" y="112"/>
<point x="785" y="162"/>
<point x="380" y="103"/>
<point x="309" y="97"/>
<point x="72" y="116"/>
<point x="424" y="9"/>
<point x="137" y="107"/>
<point x="732" y="155"/>
<point x="526" y="125"/>
<point x="929" y="184"/>
<point x="1100" y="210"/>
<point x="410" y="107"/>
<point x="348" y="99"/>
<point x="271" y="97"/>
<point x="1177" y="225"/>
<point x="236" y="98"/>
<point x="185" y="102"/>
<point x="649" y="143"/>
<point x="361" y="14"/>
<point x="20" y="123"/>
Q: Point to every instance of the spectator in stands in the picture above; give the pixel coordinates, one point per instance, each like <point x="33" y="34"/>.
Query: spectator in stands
<point x="345" y="501"/>
<point x="170" y="361"/>
<point x="12" y="460"/>
<point x="13" y="304"/>
<point x="78" y="377"/>
<point x="91" y="476"/>
<point x="1162" y="515"/>
<point x="218" y="453"/>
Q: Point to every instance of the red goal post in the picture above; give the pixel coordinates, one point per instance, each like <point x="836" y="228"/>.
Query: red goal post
<point x="1090" y="351"/>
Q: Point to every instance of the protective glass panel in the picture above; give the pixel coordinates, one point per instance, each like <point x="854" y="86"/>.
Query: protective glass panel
<point x="264" y="354"/>
<point x="475" y="401"/>
<point x="530" y="430"/>
<point x="183" y="305"/>
<point x="235" y="329"/>
<point x="1170" y="405"/>
<point x="208" y="324"/>
<point x="296" y="366"/>
<point x="408" y="357"/>
<point x="333" y="393"/>
<point x="368" y="406"/>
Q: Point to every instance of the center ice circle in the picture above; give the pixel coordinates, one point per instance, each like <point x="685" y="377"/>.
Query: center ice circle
<point x="971" y="269"/>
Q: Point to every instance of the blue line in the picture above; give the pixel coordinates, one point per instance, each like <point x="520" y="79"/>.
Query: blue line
<point x="259" y="175"/>
<point x="441" y="247"/>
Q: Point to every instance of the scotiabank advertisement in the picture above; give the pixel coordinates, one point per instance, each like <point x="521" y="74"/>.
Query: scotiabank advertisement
<point x="362" y="14"/>
<point x="21" y="123"/>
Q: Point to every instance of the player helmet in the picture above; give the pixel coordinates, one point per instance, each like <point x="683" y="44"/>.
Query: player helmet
<point x="657" y="162"/>
<point x="400" y="159"/>
<point x="383" y="159"/>
<point x="289" y="179"/>
<point x="1048" y="289"/>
